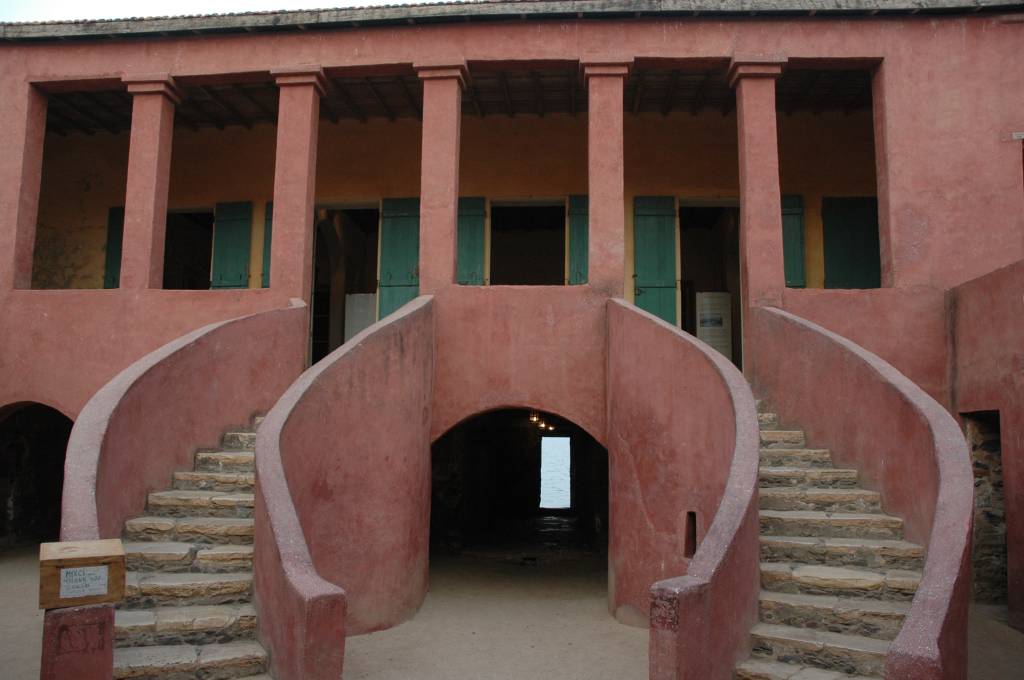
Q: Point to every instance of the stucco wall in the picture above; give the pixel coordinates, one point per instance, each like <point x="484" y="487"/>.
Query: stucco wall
<point x="989" y="375"/>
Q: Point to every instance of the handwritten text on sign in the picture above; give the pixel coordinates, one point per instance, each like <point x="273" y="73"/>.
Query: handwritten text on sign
<point x="83" y="582"/>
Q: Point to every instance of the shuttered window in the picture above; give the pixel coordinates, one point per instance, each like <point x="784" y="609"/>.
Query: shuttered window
<point x="232" y="233"/>
<point x="654" y="239"/>
<point x="267" y="233"/>
<point x="399" y="253"/>
<point x="852" y="258"/>
<point x="115" y="237"/>
<point x="470" y="242"/>
<point x="579" y="239"/>
<point x="793" y="240"/>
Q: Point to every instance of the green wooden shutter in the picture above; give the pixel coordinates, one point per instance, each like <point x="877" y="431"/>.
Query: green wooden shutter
<point x="470" y="242"/>
<point x="267" y="233"/>
<point x="115" y="236"/>
<point x="232" y="234"/>
<point x="852" y="258"/>
<point x="579" y="239"/>
<point x="399" y="253"/>
<point x="654" y="242"/>
<point x="793" y="240"/>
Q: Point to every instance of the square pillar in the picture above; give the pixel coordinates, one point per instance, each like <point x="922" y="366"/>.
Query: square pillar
<point x="439" y="173"/>
<point x="298" y="121"/>
<point x="605" y="83"/>
<point x="762" y="271"/>
<point x="22" y="130"/>
<point x="149" y="175"/>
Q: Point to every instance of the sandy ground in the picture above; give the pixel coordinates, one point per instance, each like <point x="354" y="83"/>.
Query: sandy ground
<point x="21" y="626"/>
<point x="484" y="619"/>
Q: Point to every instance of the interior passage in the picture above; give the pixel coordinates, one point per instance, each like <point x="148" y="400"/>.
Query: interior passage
<point x="519" y="562"/>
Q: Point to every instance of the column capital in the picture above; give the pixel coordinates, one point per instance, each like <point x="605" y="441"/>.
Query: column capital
<point x="597" y="68"/>
<point x="755" y="66"/>
<point x="153" y="83"/>
<point x="457" y="71"/>
<point x="307" y="74"/>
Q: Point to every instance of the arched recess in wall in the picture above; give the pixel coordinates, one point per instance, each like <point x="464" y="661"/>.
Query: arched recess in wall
<point x="514" y="474"/>
<point x="33" y="442"/>
<point x="560" y="413"/>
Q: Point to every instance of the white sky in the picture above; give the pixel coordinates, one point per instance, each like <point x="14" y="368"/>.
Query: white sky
<point x="52" y="10"/>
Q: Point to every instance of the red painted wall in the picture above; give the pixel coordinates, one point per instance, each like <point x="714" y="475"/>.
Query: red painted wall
<point x="989" y="375"/>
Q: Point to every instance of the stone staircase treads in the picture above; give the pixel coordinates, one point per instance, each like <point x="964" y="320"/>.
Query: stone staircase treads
<point x="840" y="552"/>
<point x="824" y="500"/>
<point x="764" y="669"/>
<point x="160" y="588"/>
<point x="193" y="625"/>
<point x="223" y="558"/>
<point x="834" y="524"/>
<point x="225" y="461"/>
<point x="831" y="651"/>
<point x="187" y="662"/>
<point x="768" y="421"/>
<point x="798" y="458"/>
<point x="818" y="477"/>
<point x="782" y="439"/>
<point x="214" y="529"/>
<point x="879" y="619"/>
<point x="215" y="481"/>
<point x="159" y="555"/>
<point x="184" y="503"/>
<point x="239" y="440"/>
<point x="816" y="579"/>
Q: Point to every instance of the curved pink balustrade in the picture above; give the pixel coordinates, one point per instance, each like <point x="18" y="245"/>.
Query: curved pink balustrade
<point x="682" y="437"/>
<point x="343" y="473"/>
<point x="905" y="445"/>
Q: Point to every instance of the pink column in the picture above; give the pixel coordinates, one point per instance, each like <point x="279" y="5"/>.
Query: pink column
<point x="439" y="173"/>
<point x="22" y="129"/>
<point x="605" y="175"/>
<point x="149" y="174"/>
<point x="762" y="273"/>
<point x="298" y="120"/>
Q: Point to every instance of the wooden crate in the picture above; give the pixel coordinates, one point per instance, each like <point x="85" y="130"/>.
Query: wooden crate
<point x="76" y="573"/>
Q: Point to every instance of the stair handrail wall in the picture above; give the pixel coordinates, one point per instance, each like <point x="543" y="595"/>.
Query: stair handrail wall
<point x="304" y="617"/>
<point x="700" y="622"/>
<point x="905" y="445"/>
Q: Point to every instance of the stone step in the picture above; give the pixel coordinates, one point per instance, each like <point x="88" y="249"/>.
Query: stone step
<point x="242" y="482"/>
<point x="817" y="579"/>
<point x="850" y="654"/>
<point x="880" y="619"/>
<point x="149" y="589"/>
<point x="233" y="530"/>
<point x="843" y="552"/>
<point x="796" y="458"/>
<point x="192" y="625"/>
<point x="765" y="669"/>
<point x="827" y="499"/>
<point x="175" y="556"/>
<point x="768" y="421"/>
<point x="225" y="461"/>
<point x="782" y="439"/>
<point x="830" y="524"/>
<point x="257" y="421"/>
<point x="239" y="440"/>
<point x="770" y="476"/>
<point x="192" y="503"/>
<point x="188" y="662"/>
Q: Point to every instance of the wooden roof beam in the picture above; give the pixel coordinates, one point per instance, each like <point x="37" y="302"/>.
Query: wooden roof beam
<point x="346" y="96"/>
<point x="88" y="117"/>
<point x="226" y="106"/>
<point x="508" y="95"/>
<point x="410" y="99"/>
<point x="271" y="116"/>
<point x="701" y="94"/>
<point x="380" y="100"/>
<point x="670" y="93"/>
<point x="538" y="93"/>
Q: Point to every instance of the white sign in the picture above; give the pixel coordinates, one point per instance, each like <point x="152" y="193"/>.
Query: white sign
<point x="83" y="582"/>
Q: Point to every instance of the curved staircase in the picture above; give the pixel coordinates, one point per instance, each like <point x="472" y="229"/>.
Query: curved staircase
<point x="187" y="611"/>
<point x="836" y="575"/>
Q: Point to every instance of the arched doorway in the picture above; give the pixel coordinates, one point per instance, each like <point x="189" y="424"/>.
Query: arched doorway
<point x="33" y="441"/>
<point x="518" y="562"/>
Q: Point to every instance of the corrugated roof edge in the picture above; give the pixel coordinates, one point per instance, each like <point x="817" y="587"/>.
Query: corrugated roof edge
<point x="472" y="9"/>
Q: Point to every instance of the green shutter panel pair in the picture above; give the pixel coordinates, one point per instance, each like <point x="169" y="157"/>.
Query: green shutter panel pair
<point x="579" y="239"/>
<point x="267" y="233"/>
<point x="469" y="267"/>
<point x="232" y="233"/>
<point x="399" y="253"/>
<point x="793" y="241"/>
<point x="852" y="256"/>
<point x="654" y="242"/>
<point x="115" y="237"/>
